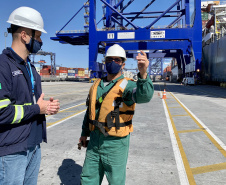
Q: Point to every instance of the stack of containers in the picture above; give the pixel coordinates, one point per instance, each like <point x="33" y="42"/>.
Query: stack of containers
<point x="45" y="71"/>
<point x="57" y="72"/>
<point x="204" y="19"/>
<point x="81" y="72"/>
<point x="76" y="72"/>
<point x="71" y="73"/>
<point x="63" y="72"/>
<point x="86" y="73"/>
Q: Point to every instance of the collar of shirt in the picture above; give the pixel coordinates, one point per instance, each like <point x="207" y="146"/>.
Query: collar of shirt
<point x="17" y="58"/>
<point x="111" y="82"/>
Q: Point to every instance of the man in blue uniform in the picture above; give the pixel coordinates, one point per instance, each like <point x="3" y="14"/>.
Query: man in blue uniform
<point x="108" y="120"/>
<point x="22" y="104"/>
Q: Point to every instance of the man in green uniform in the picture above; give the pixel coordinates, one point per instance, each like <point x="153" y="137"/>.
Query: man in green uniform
<point x="108" y="120"/>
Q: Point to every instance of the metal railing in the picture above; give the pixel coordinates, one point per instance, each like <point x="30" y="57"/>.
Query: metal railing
<point x="124" y="28"/>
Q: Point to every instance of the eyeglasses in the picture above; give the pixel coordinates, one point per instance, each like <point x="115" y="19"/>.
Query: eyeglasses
<point x="117" y="60"/>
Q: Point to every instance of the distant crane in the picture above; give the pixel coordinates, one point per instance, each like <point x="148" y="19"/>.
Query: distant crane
<point x="52" y="58"/>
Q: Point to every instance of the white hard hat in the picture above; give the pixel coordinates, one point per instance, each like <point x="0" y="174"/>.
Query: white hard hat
<point x="28" y="18"/>
<point x="116" y="51"/>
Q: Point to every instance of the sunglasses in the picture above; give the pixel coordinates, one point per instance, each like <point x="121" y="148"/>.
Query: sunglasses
<point x="117" y="60"/>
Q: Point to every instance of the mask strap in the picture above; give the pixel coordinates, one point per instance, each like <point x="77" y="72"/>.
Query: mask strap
<point x="32" y="41"/>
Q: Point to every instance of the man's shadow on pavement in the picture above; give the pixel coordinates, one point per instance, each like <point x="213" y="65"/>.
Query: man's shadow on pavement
<point x="69" y="172"/>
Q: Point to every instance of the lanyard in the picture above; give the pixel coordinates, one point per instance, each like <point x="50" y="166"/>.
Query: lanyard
<point x="29" y="70"/>
<point x="31" y="76"/>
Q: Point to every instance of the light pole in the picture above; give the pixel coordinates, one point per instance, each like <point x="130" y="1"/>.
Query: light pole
<point x="5" y="34"/>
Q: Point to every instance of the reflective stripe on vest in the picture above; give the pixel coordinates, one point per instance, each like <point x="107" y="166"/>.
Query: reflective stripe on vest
<point x="28" y="104"/>
<point x="107" y="107"/>
<point x="19" y="114"/>
<point x="123" y="84"/>
<point x="4" y="103"/>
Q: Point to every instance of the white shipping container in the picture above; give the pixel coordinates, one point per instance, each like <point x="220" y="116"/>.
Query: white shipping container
<point x="71" y="71"/>
<point x="86" y="72"/>
<point x="64" y="75"/>
<point x="57" y="68"/>
<point x="71" y="76"/>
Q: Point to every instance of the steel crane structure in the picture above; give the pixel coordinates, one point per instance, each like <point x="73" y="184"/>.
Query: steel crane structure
<point x="180" y="39"/>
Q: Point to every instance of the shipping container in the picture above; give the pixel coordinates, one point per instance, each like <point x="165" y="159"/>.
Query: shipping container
<point x="204" y="23"/>
<point x="46" y="67"/>
<point x="44" y="71"/>
<point x="63" y="75"/>
<point x="71" y="71"/>
<point x="71" y="74"/>
<point x="204" y="16"/>
<point x="62" y="71"/>
<point x="63" y="68"/>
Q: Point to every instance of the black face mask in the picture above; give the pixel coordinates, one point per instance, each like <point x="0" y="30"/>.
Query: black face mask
<point x="113" y="68"/>
<point x="36" y="46"/>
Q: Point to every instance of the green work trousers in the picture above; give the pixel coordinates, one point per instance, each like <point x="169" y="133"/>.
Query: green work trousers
<point x="105" y="155"/>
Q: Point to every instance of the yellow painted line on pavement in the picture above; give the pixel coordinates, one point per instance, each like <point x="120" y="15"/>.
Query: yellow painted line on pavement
<point x="201" y="127"/>
<point x="209" y="168"/>
<point x="53" y="123"/>
<point x="179" y="115"/>
<point x="174" y="107"/>
<point x="198" y="170"/>
<point x="193" y="130"/>
<point x="72" y="107"/>
<point x="70" y="111"/>
<point x="180" y="146"/>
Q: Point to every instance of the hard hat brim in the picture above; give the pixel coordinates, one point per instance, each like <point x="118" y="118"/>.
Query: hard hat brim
<point x="37" y="29"/>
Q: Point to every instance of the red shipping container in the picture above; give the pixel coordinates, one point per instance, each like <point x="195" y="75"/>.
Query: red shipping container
<point x="62" y="71"/>
<point x="44" y="71"/>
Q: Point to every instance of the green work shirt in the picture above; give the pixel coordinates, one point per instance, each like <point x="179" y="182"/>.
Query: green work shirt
<point x="135" y="92"/>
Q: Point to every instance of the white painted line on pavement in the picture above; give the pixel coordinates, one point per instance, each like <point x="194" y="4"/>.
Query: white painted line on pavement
<point x="204" y="126"/>
<point x="72" y="107"/>
<point x="180" y="165"/>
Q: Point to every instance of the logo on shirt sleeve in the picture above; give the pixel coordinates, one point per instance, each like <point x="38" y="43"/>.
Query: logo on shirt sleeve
<point x="18" y="72"/>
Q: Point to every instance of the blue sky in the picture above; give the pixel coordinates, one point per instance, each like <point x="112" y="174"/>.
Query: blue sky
<point x="55" y="14"/>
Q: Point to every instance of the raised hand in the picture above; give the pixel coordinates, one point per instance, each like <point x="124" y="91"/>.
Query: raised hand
<point x="142" y="63"/>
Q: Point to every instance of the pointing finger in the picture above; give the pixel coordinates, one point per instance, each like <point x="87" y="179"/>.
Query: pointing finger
<point x="143" y="53"/>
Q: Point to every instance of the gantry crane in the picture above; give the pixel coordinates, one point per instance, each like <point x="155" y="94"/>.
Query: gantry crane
<point x="180" y="39"/>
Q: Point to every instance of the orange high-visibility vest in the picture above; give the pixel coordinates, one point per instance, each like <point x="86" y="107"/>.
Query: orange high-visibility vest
<point x="107" y="106"/>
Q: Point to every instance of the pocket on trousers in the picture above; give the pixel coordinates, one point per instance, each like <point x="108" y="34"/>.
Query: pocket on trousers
<point x="125" y="140"/>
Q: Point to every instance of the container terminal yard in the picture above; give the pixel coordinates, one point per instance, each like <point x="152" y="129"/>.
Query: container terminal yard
<point x="177" y="140"/>
<point x="179" y="136"/>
